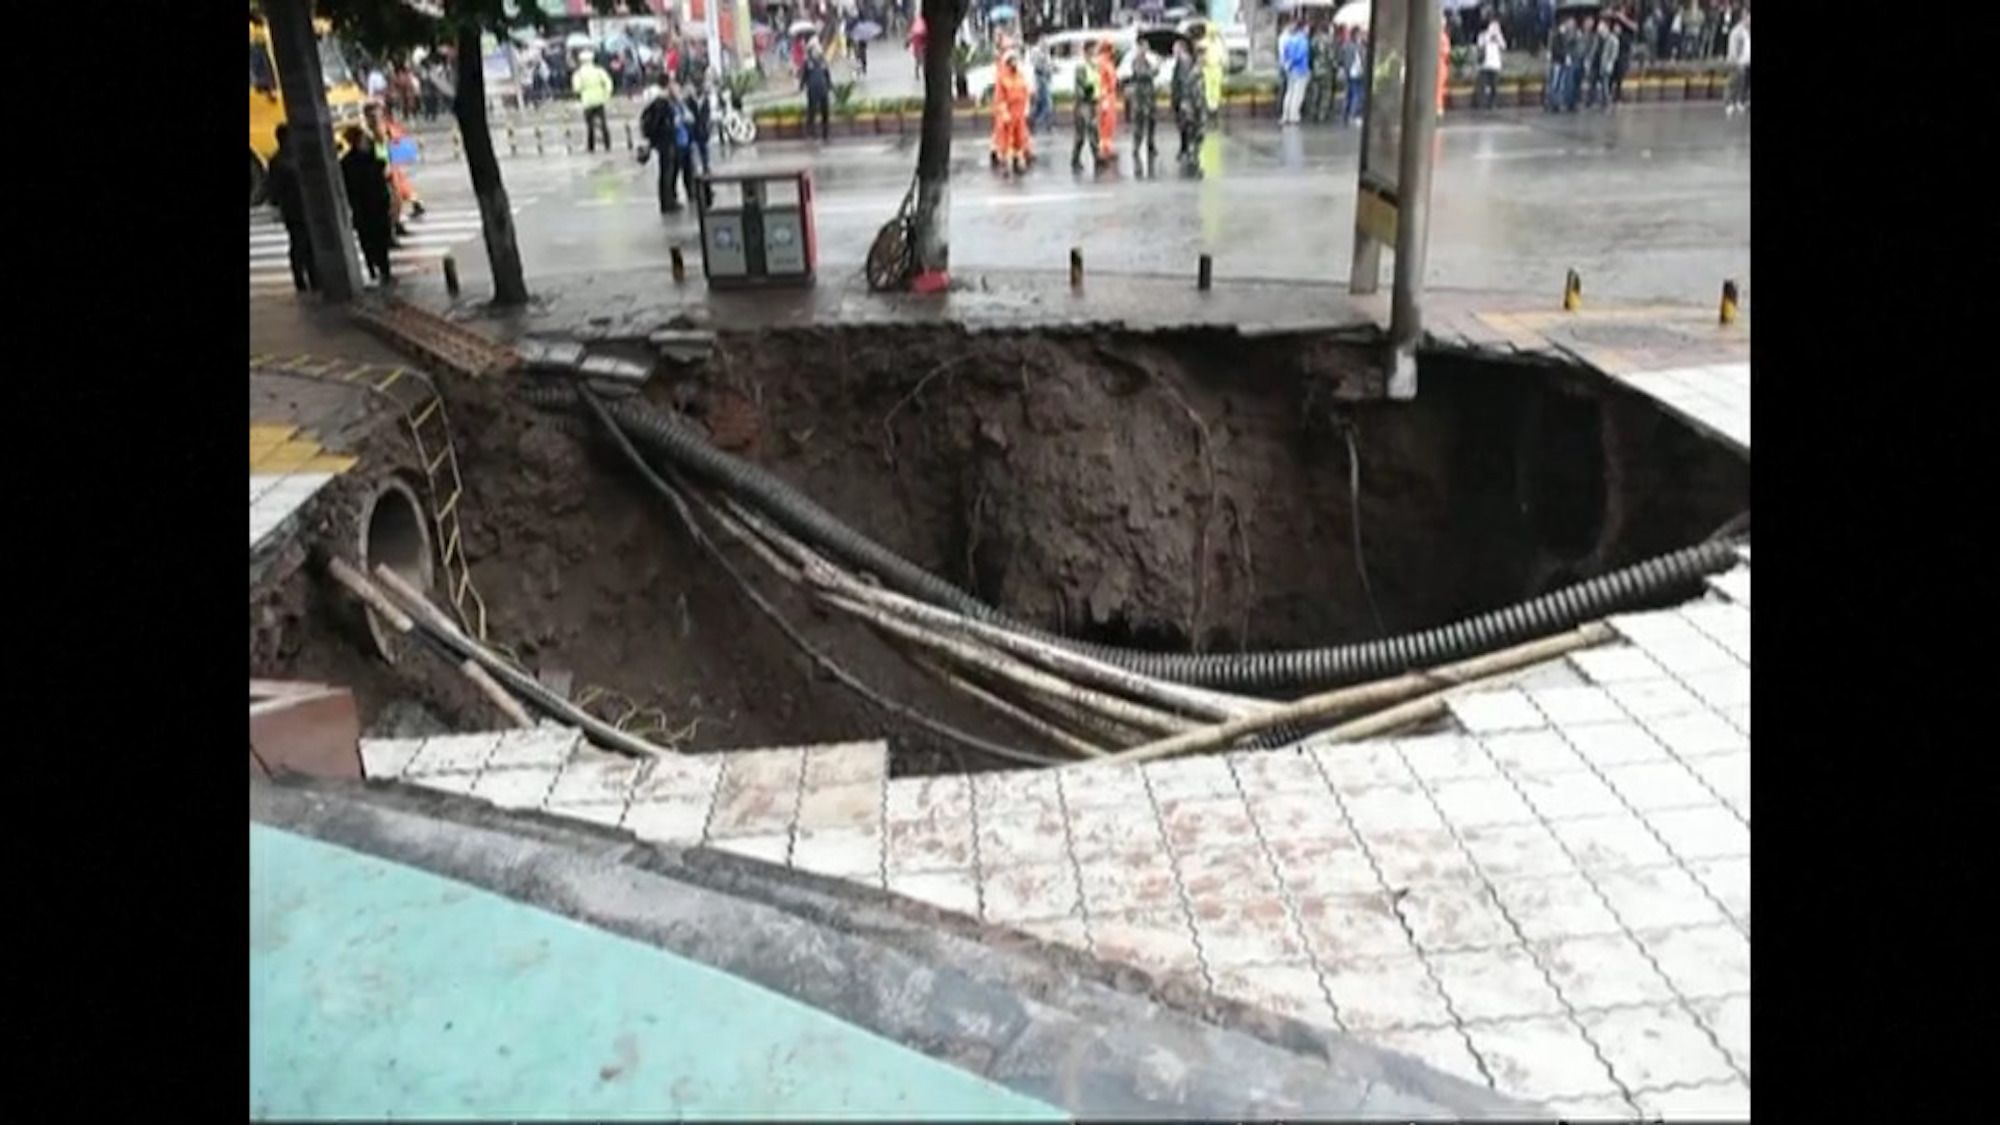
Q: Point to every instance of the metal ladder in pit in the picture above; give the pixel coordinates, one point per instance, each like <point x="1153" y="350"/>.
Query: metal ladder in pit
<point x="422" y="408"/>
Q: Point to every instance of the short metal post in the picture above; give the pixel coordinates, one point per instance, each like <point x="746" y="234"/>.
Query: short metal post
<point x="538" y="140"/>
<point x="1204" y="273"/>
<point x="513" y="149"/>
<point x="679" y="265"/>
<point x="1076" y="267"/>
<point x="1727" y="315"/>
<point x="628" y="136"/>
<point x="1572" y="292"/>
<point x="451" y="275"/>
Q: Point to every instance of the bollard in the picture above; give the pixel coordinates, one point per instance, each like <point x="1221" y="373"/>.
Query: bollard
<point x="512" y="148"/>
<point x="1572" y="292"/>
<point x="538" y="140"/>
<point x="680" y="265"/>
<point x="1728" y="313"/>
<point x="1204" y="273"/>
<point x="567" y="147"/>
<point x="457" y="145"/>
<point x="1076" y="267"/>
<point x="628" y="136"/>
<point x="451" y="275"/>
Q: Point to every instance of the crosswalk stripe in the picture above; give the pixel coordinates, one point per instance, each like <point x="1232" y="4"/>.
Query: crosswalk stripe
<point x="439" y="242"/>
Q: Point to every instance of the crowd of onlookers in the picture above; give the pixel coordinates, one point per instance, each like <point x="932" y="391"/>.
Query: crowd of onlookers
<point x="1659" y="30"/>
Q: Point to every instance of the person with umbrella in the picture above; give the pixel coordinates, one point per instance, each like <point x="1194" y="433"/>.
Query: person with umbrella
<point x="860" y="33"/>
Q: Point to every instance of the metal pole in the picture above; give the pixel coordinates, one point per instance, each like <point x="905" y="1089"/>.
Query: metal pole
<point x="1413" y="192"/>
<point x="295" y="52"/>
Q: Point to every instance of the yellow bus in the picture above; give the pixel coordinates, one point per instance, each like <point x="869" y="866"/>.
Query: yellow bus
<point x="267" y="101"/>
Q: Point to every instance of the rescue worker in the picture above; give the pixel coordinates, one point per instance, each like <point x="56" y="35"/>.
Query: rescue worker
<point x="1010" y="116"/>
<point x="1444" y="65"/>
<point x="1085" y="116"/>
<point x="1107" y="104"/>
<point x="1213" y="55"/>
<point x="1141" y="110"/>
<point x="593" y="92"/>
<point x="1190" y="111"/>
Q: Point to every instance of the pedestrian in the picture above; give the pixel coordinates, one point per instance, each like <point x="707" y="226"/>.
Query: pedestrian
<point x="817" y="81"/>
<point x="1187" y="93"/>
<point x="1085" y="115"/>
<point x="1627" y="34"/>
<point x="367" y="182"/>
<point x="1295" y="63"/>
<point x="701" y="122"/>
<point x="1492" y="48"/>
<point x="1585" y="54"/>
<point x="656" y="124"/>
<point x="1739" y="69"/>
<point x="593" y="91"/>
<point x="1142" y="103"/>
<point x="1323" y="62"/>
<point x="289" y="196"/>
<point x="860" y="50"/>
<point x="1354" y="66"/>
<point x="1605" y="91"/>
<point x="919" y="35"/>
<point x="378" y="83"/>
<point x="1444" y="67"/>
<point x="683" y="137"/>
<point x="1561" y="41"/>
<point x="386" y="134"/>
<point x="1043" y="117"/>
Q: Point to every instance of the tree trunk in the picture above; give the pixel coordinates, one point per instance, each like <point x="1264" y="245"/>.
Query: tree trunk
<point x="941" y="20"/>
<point x="496" y="215"/>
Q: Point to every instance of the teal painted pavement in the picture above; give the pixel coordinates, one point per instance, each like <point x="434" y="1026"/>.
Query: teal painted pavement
<point x="377" y="990"/>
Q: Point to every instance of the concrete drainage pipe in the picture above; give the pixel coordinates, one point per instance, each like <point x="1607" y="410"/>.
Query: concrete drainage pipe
<point x="394" y="533"/>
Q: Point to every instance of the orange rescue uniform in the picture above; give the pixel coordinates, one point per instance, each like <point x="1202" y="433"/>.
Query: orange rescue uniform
<point x="1010" y="115"/>
<point x="1107" y="101"/>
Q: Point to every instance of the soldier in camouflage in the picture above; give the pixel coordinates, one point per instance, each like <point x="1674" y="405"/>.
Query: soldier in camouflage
<point x="1140" y="107"/>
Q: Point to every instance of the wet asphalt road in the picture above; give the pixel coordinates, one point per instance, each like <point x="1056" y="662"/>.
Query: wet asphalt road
<point x="1650" y="203"/>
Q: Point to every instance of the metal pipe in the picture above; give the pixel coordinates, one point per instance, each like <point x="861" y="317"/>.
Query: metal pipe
<point x="1413" y="193"/>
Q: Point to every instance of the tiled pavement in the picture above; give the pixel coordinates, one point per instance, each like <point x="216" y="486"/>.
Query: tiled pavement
<point x="1553" y="897"/>
<point x="287" y="468"/>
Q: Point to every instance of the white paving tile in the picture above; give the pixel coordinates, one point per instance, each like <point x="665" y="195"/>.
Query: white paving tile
<point x="1616" y="664"/>
<point x="1607" y="843"/>
<point x="956" y="891"/>
<point x="1573" y="706"/>
<point x="1702" y="962"/>
<point x="1291" y="989"/>
<point x="1560" y="906"/>
<point x="1481" y="801"/>
<point x="842" y="853"/>
<point x="1490" y="712"/>
<point x="1446" y="757"/>
<point x="1040" y="890"/>
<point x="595" y="782"/>
<point x="1375" y="993"/>
<point x="1534" y="753"/>
<point x="1181" y="779"/>
<point x="916" y="798"/>
<point x="1491" y="984"/>
<point x="677" y="821"/>
<point x="1544" y="1058"/>
<point x="1703" y="833"/>
<point x="1453" y="915"/>
<point x="1651" y="699"/>
<point x="1696" y="733"/>
<point x="1441" y="1048"/>
<point x="1566" y="796"/>
<point x="540" y="748"/>
<point x="1646" y="898"/>
<point x="453" y="753"/>
<point x="1646" y="786"/>
<point x="388" y="757"/>
<point x="1729" y="1018"/>
<point x="515" y="789"/>
<point x="1716" y="1101"/>
<point x="1615" y="744"/>
<point x="1352" y="766"/>
<point x="1655" y="1046"/>
<point x="1601" y="970"/>
<point x="770" y="849"/>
